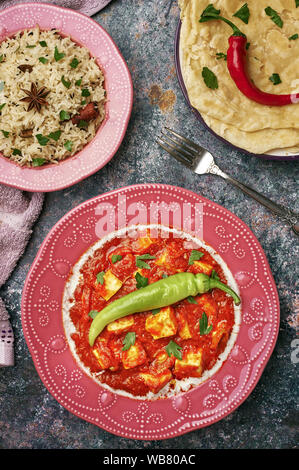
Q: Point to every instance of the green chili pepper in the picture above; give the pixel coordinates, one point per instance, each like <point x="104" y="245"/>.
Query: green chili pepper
<point x="159" y="294"/>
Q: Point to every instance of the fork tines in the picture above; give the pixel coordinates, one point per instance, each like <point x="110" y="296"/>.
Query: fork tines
<point x="181" y="148"/>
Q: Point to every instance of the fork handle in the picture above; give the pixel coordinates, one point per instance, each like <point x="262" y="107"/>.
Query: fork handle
<point x="285" y="214"/>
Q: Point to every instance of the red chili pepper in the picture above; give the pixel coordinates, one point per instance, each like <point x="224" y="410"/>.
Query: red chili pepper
<point x="236" y="63"/>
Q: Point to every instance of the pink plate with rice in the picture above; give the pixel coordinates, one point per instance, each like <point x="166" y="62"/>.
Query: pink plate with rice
<point x="156" y="418"/>
<point x="118" y="85"/>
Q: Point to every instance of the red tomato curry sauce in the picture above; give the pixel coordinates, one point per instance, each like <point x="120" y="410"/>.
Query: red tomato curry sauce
<point x="134" y="353"/>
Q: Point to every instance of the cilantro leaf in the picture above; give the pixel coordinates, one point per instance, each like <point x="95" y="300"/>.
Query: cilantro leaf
<point x="140" y="263"/>
<point x="100" y="277"/>
<point x="243" y="13"/>
<point x="141" y="281"/>
<point x="115" y="258"/>
<point x="68" y="145"/>
<point x="209" y="13"/>
<point x="38" y="161"/>
<point x="221" y="55"/>
<point x="55" y="135"/>
<point x="155" y="311"/>
<point x="129" y="340"/>
<point x="1" y="57"/>
<point x="64" y="116"/>
<point x="43" y="60"/>
<point x="210" y="78"/>
<point x="204" y="329"/>
<point x="58" y="55"/>
<point x="194" y="256"/>
<point x="191" y="300"/>
<point x="42" y="140"/>
<point x="43" y="43"/>
<point x="93" y="313"/>
<point x="275" y="79"/>
<point x="82" y="124"/>
<point x="78" y="82"/>
<point x="85" y="92"/>
<point x="5" y="133"/>
<point x="297" y="3"/>
<point x="30" y="46"/>
<point x="65" y="82"/>
<point x="274" y="16"/>
<point x="295" y="36"/>
<point x="174" y="349"/>
<point x="2" y="106"/>
<point x="74" y="64"/>
<point x="16" y="152"/>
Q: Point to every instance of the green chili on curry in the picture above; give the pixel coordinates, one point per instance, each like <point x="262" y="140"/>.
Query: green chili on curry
<point x="159" y="294"/>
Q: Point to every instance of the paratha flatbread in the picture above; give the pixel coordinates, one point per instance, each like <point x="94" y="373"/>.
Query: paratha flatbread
<point x="226" y="110"/>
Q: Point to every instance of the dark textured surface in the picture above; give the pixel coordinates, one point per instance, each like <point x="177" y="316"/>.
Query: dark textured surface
<point x="29" y="416"/>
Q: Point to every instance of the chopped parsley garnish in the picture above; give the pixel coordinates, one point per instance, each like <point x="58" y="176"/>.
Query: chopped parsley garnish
<point x="5" y="133"/>
<point x="1" y="57"/>
<point x="42" y="140"/>
<point x="174" y="349"/>
<point x="140" y="263"/>
<point x="65" y="82"/>
<point x="43" y="43"/>
<point x="221" y="55"/>
<point x="129" y="340"/>
<point x="74" y="64"/>
<point x="204" y="329"/>
<point x="82" y="124"/>
<point x="64" y="116"/>
<point x="2" y="106"/>
<point x="115" y="258"/>
<point x="155" y="311"/>
<point x="297" y="3"/>
<point x="68" y="145"/>
<point x="93" y="313"/>
<point x="210" y="78"/>
<point x="275" y="79"/>
<point x="191" y="300"/>
<point x="38" y="161"/>
<point x="85" y="92"/>
<point x="243" y="13"/>
<point x="274" y="16"/>
<point x="141" y="281"/>
<point x="194" y="256"/>
<point x="55" y="135"/>
<point x="58" y="55"/>
<point x="100" y="277"/>
<point x="16" y="152"/>
<point x="43" y="60"/>
<point x="78" y="82"/>
<point x="295" y="36"/>
<point x="30" y="46"/>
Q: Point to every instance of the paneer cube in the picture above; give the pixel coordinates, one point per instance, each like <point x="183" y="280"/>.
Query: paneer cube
<point x="220" y="334"/>
<point x="156" y="381"/>
<point x="118" y="326"/>
<point x="110" y="286"/>
<point x="208" y="305"/>
<point x="191" y="364"/>
<point x="145" y="242"/>
<point x="201" y="267"/>
<point x="103" y="354"/>
<point x="183" y="327"/>
<point x="162" y="324"/>
<point x="134" y="356"/>
<point x="161" y="362"/>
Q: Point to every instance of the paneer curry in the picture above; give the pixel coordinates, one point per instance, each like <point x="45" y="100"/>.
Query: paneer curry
<point x="141" y="353"/>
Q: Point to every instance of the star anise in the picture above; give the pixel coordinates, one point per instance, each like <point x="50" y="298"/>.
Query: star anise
<point x="35" y="97"/>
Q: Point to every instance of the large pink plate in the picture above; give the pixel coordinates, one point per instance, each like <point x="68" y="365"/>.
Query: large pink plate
<point x="164" y="418"/>
<point x="118" y="85"/>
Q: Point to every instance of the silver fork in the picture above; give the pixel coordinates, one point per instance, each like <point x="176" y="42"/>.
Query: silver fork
<point x="201" y="162"/>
